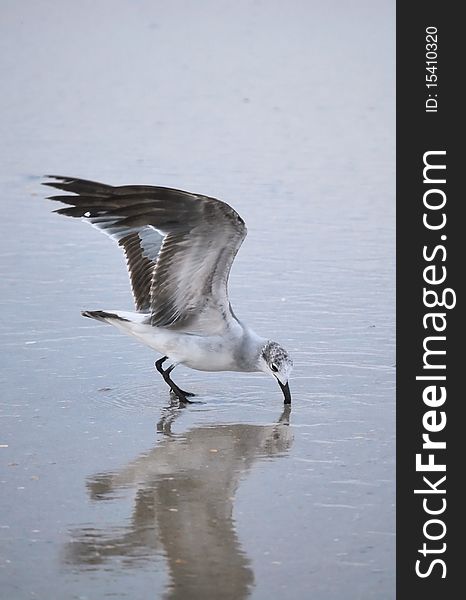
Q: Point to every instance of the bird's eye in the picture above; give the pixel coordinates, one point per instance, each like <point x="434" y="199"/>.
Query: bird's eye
<point x="274" y="367"/>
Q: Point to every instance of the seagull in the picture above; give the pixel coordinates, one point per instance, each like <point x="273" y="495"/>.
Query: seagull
<point x="179" y="249"/>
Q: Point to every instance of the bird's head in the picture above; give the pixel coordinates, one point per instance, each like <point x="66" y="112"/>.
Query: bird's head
<point x="275" y="360"/>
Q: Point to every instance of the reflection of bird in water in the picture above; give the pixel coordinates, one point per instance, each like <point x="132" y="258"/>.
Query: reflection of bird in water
<point x="179" y="249"/>
<point x="184" y="506"/>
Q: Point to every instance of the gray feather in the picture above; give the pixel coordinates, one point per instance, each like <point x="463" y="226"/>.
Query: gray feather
<point x="179" y="246"/>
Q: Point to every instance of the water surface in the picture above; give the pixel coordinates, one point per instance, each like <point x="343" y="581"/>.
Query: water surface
<point x="108" y="490"/>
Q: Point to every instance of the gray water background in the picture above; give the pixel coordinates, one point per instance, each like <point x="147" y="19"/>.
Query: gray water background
<point x="286" y="111"/>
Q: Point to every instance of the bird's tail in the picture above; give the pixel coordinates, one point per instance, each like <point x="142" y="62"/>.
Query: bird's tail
<point x="101" y="315"/>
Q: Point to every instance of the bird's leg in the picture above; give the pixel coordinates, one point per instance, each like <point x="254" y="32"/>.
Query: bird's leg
<point x="182" y="395"/>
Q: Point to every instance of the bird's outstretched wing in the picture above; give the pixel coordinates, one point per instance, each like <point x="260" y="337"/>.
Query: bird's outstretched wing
<point x="179" y="246"/>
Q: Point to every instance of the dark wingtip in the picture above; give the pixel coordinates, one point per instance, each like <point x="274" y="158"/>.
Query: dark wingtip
<point x="79" y="186"/>
<point x="70" y="211"/>
<point x="59" y="182"/>
<point x="61" y="178"/>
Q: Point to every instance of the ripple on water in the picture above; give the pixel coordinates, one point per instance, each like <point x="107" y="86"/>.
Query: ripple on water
<point x="223" y="405"/>
<point x="133" y="398"/>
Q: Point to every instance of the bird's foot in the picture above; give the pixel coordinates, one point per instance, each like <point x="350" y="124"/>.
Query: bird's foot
<point x="187" y="394"/>
<point x="182" y="396"/>
<point x="184" y="400"/>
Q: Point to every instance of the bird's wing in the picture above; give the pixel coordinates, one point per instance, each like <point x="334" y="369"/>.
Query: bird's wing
<point x="103" y="206"/>
<point x="184" y="280"/>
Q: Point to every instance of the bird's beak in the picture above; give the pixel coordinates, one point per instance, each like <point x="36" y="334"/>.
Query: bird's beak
<point x="286" y="391"/>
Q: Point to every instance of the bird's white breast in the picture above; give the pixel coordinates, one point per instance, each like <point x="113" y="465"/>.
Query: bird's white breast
<point x="203" y="353"/>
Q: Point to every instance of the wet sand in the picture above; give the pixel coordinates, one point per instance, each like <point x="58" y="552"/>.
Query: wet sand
<point x="108" y="490"/>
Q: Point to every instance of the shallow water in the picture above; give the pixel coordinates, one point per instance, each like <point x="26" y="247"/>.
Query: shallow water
<point x="107" y="489"/>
